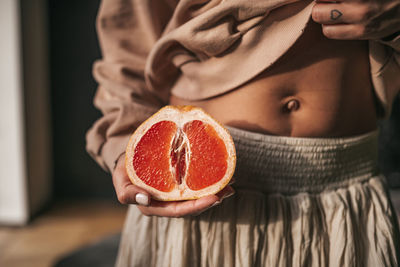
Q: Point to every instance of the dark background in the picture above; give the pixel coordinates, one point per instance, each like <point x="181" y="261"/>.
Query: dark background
<point x="73" y="49"/>
<point x="389" y="146"/>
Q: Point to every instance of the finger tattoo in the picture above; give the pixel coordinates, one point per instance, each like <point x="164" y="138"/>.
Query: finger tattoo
<point x="335" y="14"/>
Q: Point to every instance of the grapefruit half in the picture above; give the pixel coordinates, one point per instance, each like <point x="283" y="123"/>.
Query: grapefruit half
<point x="180" y="153"/>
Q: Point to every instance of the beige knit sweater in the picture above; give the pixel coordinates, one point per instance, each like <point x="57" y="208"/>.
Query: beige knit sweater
<point x="195" y="49"/>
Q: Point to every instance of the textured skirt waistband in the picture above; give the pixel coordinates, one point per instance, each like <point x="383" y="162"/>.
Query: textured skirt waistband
<point x="290" y="165"/>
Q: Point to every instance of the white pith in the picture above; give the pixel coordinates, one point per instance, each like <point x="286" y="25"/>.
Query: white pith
<point x="180" y="118"/>
<point x="185" y="144"/>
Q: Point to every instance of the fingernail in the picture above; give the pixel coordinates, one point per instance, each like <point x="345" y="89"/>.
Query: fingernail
<point x="142" y="199"/>
<point x="229" y="193"/>
<point x="215" y="203"/>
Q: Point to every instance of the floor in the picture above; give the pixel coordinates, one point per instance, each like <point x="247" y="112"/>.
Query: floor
<point x="66" y="227"/>
<point x="63" y="228"/>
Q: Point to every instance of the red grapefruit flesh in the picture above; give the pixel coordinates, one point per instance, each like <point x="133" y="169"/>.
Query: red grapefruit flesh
<point x="151" y="158"/>
<point x="208" y="162"/>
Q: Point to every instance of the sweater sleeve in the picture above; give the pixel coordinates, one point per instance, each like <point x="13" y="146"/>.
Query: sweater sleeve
<point x="385" y="70"/>
<point x="127" y="30"/>
<point x="393" y="41"/>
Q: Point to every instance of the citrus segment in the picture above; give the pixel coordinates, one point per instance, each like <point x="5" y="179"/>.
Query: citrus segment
<point x="151" y="158"/>
<point x="208" y="159"/>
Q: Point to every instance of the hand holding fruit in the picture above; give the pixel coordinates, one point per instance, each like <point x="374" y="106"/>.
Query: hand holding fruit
<point x="182" y="158"/>
<point x="128" y="193"/>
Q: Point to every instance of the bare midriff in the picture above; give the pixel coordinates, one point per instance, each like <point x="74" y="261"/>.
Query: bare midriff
<point x="319" y="88"/>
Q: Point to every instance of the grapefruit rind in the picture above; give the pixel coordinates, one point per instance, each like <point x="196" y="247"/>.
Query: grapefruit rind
<point x="181" y="115"/>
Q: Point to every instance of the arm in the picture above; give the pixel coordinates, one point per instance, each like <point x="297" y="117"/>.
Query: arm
<point x="377" y="21"/>
<point x="127" y="31"/>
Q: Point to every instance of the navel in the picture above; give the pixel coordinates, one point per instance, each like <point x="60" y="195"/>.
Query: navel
<point x="291" y="105"/>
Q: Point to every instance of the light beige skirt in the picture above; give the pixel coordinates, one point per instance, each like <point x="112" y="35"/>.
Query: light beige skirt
<point x="298" y="202"/>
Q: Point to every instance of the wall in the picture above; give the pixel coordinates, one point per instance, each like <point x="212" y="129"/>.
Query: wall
<point x="13" y="190"/>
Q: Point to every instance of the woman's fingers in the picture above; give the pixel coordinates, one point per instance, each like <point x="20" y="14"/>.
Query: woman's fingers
<point x="178" y="208"/>
<point x="340" y="21"/>
<point x="226" y="192"/>
<point x="127" y="193"/>
<point x="132" y="194"/>
<point x="333" y="13"/>
<point x="357" y="19"/>
<point x="184" y="208"/>
<point x="344" y="32"/>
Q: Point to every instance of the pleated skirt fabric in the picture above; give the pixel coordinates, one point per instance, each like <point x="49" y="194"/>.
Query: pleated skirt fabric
<point x="298" y="202"/>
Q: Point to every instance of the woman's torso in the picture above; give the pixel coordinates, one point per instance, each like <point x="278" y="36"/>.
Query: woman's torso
<point x="328" y="79"/>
